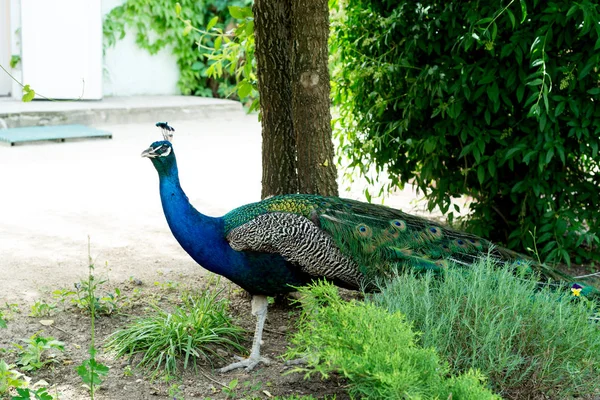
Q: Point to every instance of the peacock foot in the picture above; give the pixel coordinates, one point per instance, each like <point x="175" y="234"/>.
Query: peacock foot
<point x="247" y="363"/>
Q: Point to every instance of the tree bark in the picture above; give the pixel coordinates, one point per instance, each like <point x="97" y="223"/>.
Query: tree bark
<point x="310" y="97"/>
<point x="273" y="54"/>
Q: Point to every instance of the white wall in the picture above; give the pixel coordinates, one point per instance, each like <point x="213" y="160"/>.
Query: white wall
<point x="5" y="81"/>
<point x="129" y="70"/>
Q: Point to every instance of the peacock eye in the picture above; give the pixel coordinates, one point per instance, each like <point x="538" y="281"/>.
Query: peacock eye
<point x="397" y="223"/>
<point x="460" y="242"/>
<point x="362" y="229"/>
<point x="433" y="230"/>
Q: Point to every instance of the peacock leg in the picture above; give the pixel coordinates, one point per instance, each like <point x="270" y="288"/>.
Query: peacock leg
<point x="259" y="309"/>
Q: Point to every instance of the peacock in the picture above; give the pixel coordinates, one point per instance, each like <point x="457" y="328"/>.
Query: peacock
<point x="285" y="241"/>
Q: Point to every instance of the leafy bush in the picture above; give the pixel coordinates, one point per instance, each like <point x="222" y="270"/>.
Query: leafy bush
<point x="529" y="341"/>
<point x="191" y="331"/>
<point x="375" y="350"/>
<point x="158" y="25"/>
<point x="495" y="100"/>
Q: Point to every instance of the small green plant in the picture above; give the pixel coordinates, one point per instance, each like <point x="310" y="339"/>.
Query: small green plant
<point x="90" y="371"/>
<point x="106" y="304"/>
<point x="189" y="332"/>
<point x="175" y="392"/>
<point x="10" y="378"/>
<point x="245" y="390"/>
<point x="230" y="389"/>
<point x="375" y="350"/>
<point x="64" y="297"/>
<point x="127" y="371"/>
<point x="42" y="309"/>
<point x="530" y="342"/>
<point x="32" y="355"/>
<point x="38" y="394"/>
<point x="2" y="320"/>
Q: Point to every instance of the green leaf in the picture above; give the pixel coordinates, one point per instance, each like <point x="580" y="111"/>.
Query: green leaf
<point x="511" y="16"/>
<point x="212" y="23"/>
<point x="244" y="89"/>
<point x="592" y="62"/>
<point x="572" y="10"/>
<point x="523" y="10"/>
<point x="197" y="66"/>
<point x="28" y="94"/>
<point x="218" y="42"/>
<point x="237" y="12"/>
<point x="480" y="174"/>
<point x="535" y="82"/>
<point x="520" y="93"/>
<point x="594" y="91"/>
<point x="560" y="107"/>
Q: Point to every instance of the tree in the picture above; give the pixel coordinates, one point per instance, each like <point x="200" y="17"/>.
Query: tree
<point x="293" y="82"/>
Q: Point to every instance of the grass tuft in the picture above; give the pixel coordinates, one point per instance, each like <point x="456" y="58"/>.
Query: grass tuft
<point x="529" y="342"/>
<point x="190" y="332"/>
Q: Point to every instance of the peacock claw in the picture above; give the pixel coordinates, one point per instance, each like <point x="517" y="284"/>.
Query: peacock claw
<point x="247" y="363"/>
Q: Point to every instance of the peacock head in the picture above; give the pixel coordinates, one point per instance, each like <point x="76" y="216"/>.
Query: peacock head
<point x="162" y="156"/>
<point x="161" y="153"/>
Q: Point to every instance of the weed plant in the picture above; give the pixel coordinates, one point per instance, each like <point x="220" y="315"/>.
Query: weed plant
<point x="191" y="331"/>
<point x="90" y="370"/>
<point x="10" y="378"/>
<point x="377" y="351"/>
<point x="32" y="355"/>
<point x="529" y="341"/>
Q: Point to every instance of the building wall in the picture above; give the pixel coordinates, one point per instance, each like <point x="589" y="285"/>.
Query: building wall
<point x="127" y="69"/>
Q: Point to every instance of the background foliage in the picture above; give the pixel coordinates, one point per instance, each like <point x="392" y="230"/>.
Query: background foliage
<point x="495" y="100"/>
<point x="157" y="25"/>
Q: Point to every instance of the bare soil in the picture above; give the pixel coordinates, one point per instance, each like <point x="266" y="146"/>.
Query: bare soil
<point x="126" y="381"/>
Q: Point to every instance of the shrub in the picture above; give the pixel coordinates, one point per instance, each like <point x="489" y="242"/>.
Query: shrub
<point x="375" y="350"/>
<point x="495" y="100"/>
<point x="529" y="341"/>
<point x="157" y="25"/>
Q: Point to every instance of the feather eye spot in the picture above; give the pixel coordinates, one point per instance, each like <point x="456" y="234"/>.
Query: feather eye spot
<point x="398" y="224"/>
<point x="460" y="242"/>
<point x="364" y="231"/>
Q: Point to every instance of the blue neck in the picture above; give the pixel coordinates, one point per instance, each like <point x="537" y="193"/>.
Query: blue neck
<point x="202" y="237"/>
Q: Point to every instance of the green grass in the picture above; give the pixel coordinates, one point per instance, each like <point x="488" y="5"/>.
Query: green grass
<point x="528" y="341"/>
<point x="376" y="351"/>
<point x="189" y="332"/>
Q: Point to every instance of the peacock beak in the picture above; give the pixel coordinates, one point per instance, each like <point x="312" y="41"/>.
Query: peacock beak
<point x="149" y="152"/>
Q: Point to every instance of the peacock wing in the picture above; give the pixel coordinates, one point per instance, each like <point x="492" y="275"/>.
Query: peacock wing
<point x="300" y="242"/>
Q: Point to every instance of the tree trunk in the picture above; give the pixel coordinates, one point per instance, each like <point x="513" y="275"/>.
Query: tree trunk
<point x="273" y="53"/>
<point x="310" y="97"/>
